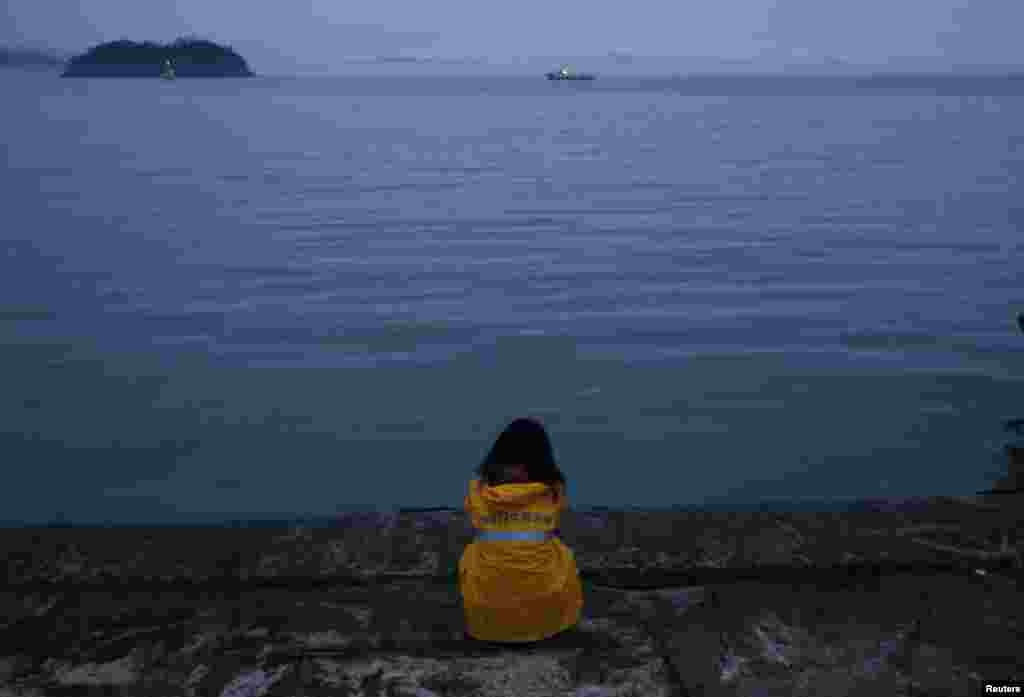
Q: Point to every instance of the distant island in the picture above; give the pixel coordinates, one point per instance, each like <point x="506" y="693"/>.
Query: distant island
<point x="28" y="58"/>
<point x="190" y="58"/>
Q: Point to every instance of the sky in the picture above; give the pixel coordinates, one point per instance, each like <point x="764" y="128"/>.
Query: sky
<point x="325" y="32"/>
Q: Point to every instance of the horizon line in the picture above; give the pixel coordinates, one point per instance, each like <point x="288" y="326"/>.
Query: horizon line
<point x="621" y="57"/>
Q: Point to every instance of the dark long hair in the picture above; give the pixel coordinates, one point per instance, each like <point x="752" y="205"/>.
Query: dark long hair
<point x="523" y="442"/>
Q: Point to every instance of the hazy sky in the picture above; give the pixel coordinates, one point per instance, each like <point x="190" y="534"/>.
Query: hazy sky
<point x="323" y="31"/>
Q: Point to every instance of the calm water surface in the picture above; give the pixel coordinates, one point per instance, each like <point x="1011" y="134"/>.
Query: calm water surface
<point x="298" y="295"/>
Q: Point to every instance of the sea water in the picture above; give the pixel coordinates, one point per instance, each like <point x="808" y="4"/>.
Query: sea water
<point x="292" y="296"/>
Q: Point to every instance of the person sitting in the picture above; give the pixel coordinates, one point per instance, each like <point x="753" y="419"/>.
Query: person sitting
<point x="519" y="582"/>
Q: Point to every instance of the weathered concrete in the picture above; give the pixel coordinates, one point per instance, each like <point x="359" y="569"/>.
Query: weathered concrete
<point x="387" y="618"/>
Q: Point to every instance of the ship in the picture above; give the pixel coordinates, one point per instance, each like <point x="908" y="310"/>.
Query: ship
<point x="566" y="74"/>
<point x="167" y="73"/>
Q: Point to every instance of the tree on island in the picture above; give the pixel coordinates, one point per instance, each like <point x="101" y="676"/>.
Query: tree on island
<point x="190" y="56"/>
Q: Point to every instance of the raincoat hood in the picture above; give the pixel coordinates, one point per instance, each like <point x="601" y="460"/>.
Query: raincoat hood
<point x="513" y="495"/>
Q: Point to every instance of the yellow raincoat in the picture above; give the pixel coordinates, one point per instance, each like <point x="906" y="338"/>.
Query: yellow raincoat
<point x="517" y="590"/>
